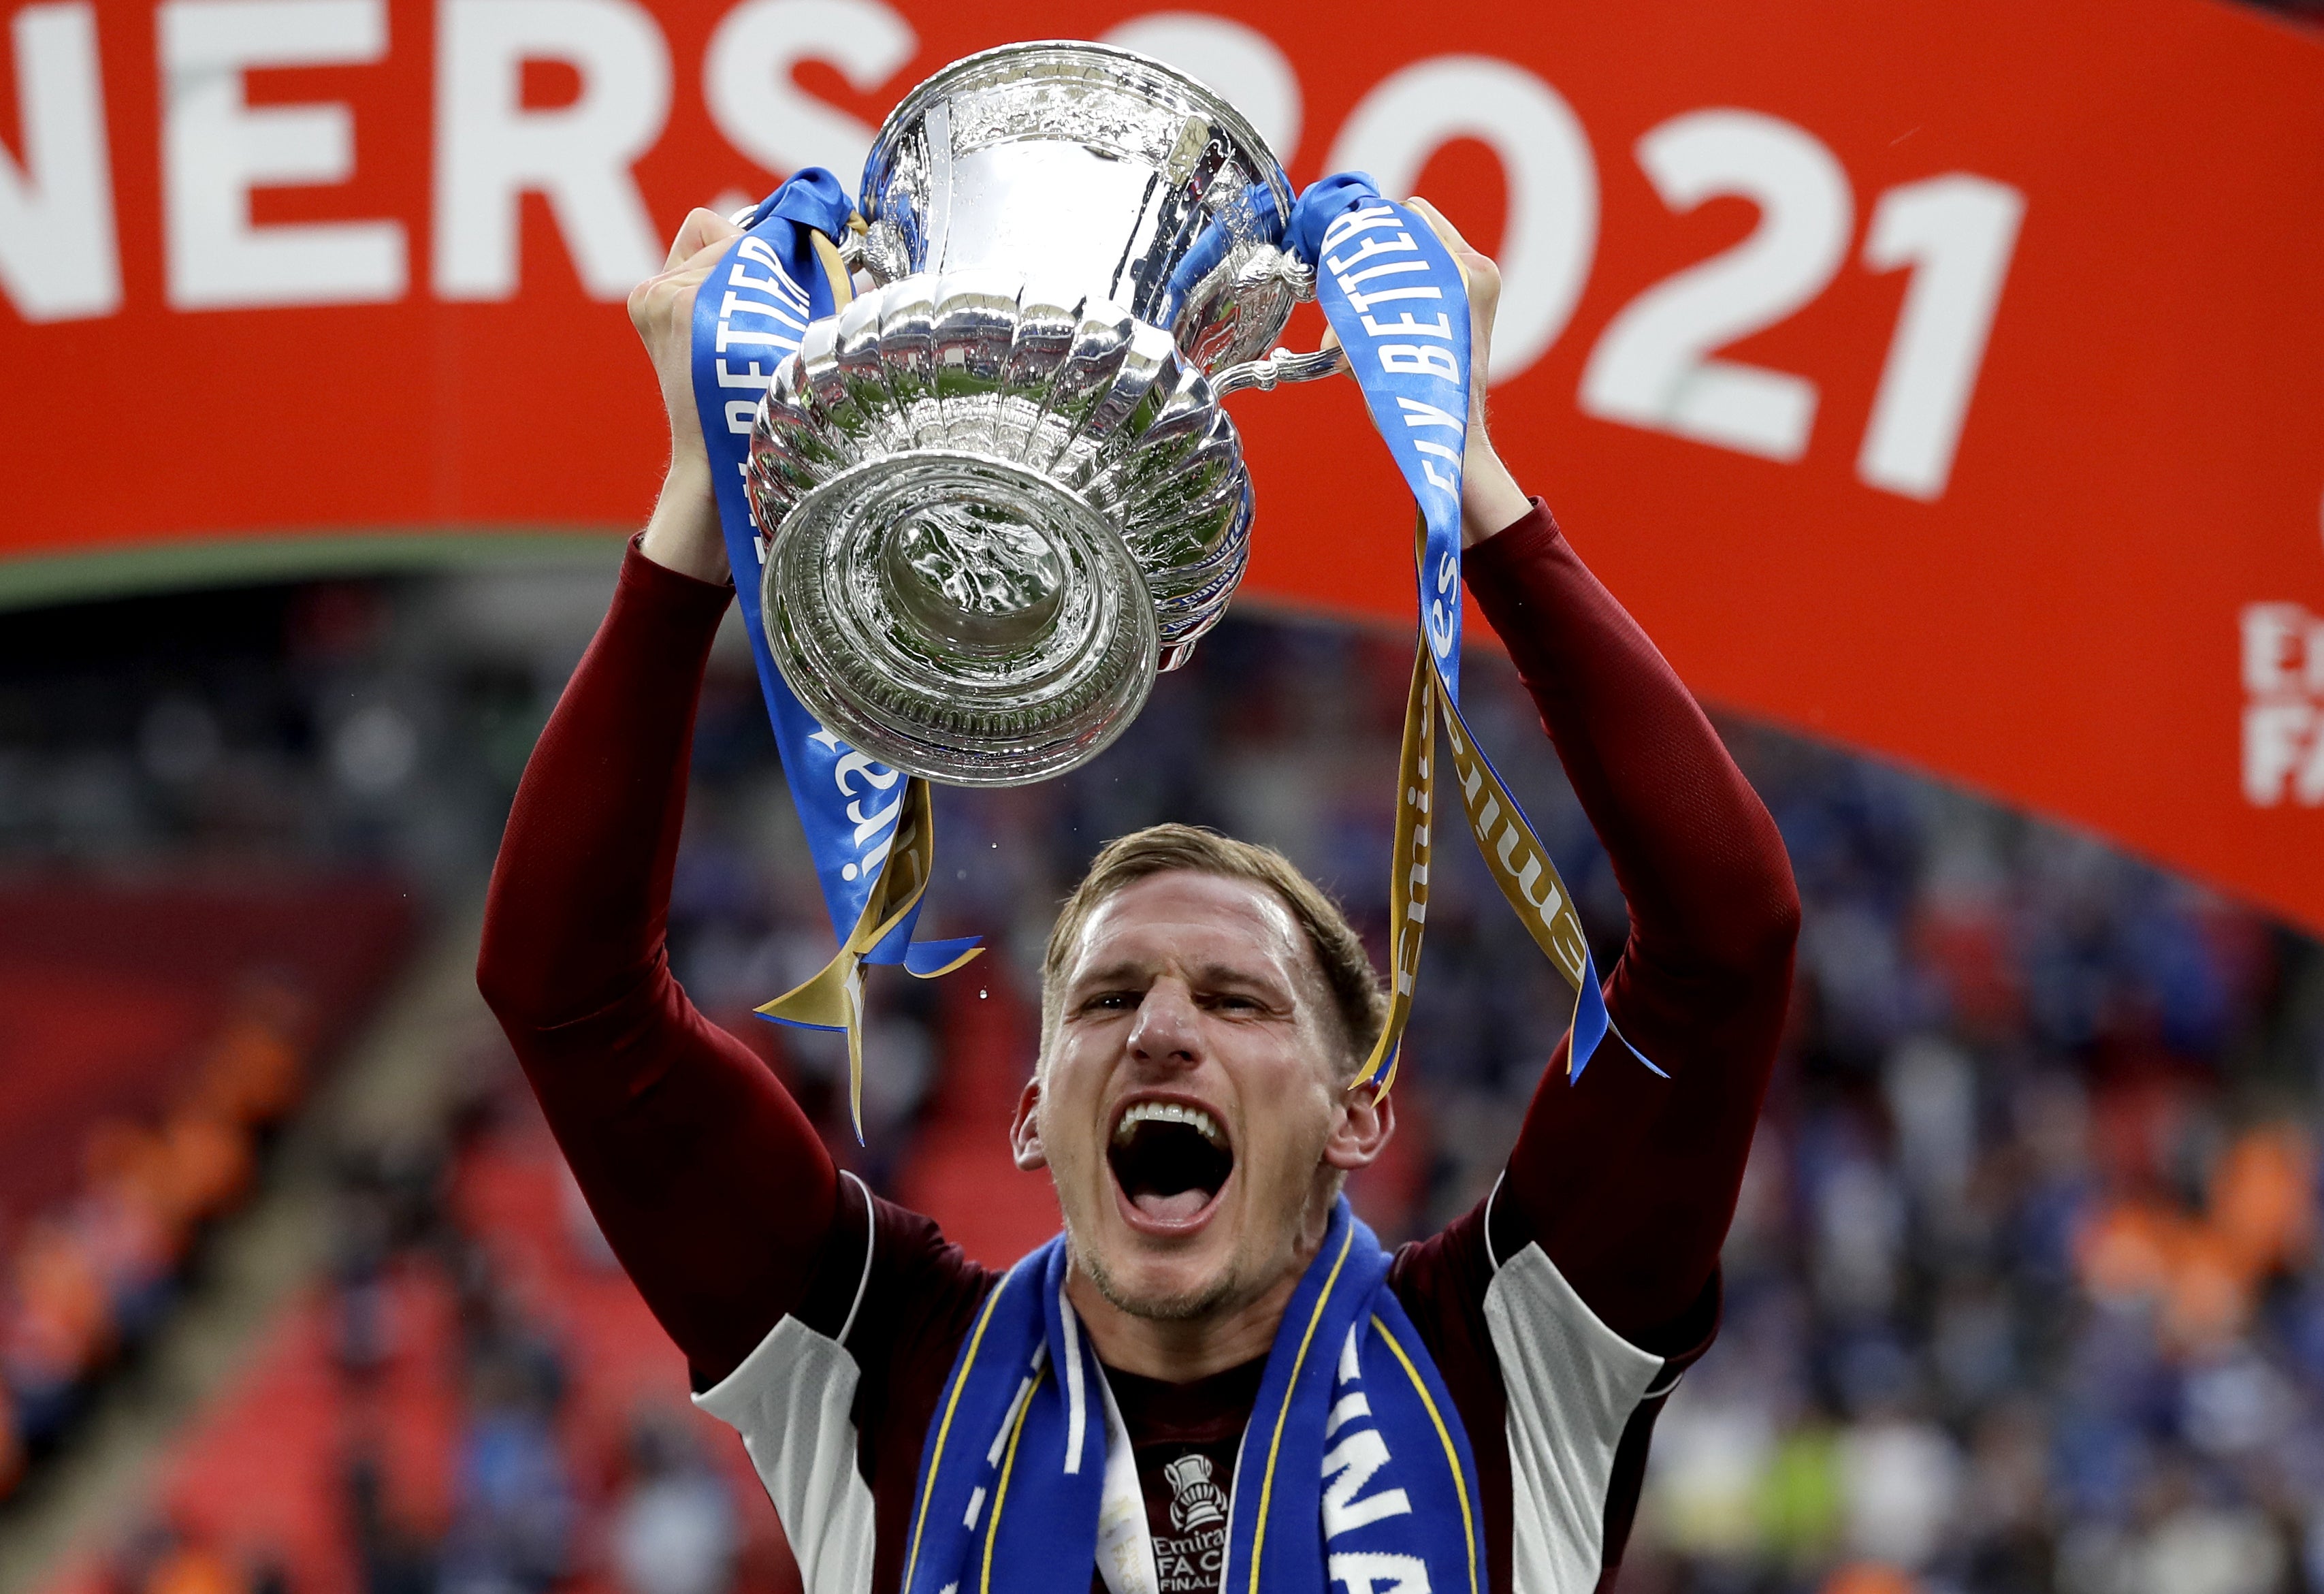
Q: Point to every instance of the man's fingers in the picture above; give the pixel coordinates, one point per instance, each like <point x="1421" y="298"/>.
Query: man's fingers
<point x="677" y="281"/>
<point x="699" y="263"/>
<point x="1446" y="233"/>
<point x="700" y="229"/>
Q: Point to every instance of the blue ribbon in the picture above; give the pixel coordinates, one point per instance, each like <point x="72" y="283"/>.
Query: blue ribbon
<point x="750" y="315"/>
<point x="1395" y="297"/>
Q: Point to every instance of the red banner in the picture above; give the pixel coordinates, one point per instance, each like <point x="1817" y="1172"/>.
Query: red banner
<point x="1947" y="379"/>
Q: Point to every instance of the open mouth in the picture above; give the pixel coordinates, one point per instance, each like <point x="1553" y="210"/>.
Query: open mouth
<point x="1171" y="1160"/>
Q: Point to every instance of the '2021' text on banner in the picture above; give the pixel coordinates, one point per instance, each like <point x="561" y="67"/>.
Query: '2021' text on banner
<point x="1947" y="379"/>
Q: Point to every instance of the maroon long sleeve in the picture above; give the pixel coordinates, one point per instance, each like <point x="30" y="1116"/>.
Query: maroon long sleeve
<point x="711" y="1185"/>
<point x="1628" y="1181"/>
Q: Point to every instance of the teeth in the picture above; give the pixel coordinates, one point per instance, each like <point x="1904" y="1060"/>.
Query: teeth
<point x="1170" y="1112"/>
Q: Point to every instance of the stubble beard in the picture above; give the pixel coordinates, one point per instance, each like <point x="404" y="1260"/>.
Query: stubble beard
<point x="1184" y="1307"/>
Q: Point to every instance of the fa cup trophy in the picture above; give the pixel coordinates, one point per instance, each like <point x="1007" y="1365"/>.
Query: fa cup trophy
<point x="996" y="494"/>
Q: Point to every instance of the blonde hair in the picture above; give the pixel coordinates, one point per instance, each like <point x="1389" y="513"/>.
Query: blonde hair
<point x="1357" y="996"/>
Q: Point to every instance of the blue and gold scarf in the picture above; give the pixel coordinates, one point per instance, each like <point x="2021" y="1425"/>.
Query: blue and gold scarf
<point x="1354" y="1470"/>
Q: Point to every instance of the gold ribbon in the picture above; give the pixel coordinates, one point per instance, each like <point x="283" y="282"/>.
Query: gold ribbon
<point x="834" y="998"/>
<point x="1519" y="864"/>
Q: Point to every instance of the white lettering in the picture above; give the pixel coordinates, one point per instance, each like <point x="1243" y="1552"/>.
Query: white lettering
<point x="2284" y="719"/>
<point x="1419" y="359"/>
<point x="1417" y="413"/>
<point x="735" y="304"/>
<point x="1653" y="367"/>
<point x="1957" y="232"/>
<point x="878" y="820"/>
<point x="728" y="338"/>
<point x="1374" y="1572"/>
<point x="779" y="280"/>
<point x="2272" y="633"/>
<point x="1346" y="1469"/>
<point x="1394" y="268"/>
<point x="1363" y="218"/>
<point x="1552" y="237"/>
<point x="751" y="376"/>
<point x="1360" y="302"/>
<point x="59" y="259"/>
<point x="1366" y="247"/>
<point x="215" y="148"/>
<point x="1405" y="326"/>
<point x="747" y="78"/>
<point x="491" y="151"/>
<point x="1552" y="899"/>
<point x="875" y="776"/>
<point x="2280" y="740"/>
<point x="776" y="283"/>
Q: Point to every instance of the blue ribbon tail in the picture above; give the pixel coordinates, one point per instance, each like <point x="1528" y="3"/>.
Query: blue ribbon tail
<point x="800" y="1023"/>
<point x="1593" y="1024"/>
<point x="927" y="958"/>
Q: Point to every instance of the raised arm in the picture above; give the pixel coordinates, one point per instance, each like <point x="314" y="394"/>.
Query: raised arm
<point x="1628" y="1181"/>
<point x="711" y="1185"/>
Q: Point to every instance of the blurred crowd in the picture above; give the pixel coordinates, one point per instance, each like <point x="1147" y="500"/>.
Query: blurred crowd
<point x="2023" y="1291"/>
<point x="470" y="1442"/>
<point x="84" y="1282"/>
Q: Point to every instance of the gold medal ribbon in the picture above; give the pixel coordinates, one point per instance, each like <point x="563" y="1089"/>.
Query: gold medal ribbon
<point x="1519" y="864"/>
<point x="834" y="998"/>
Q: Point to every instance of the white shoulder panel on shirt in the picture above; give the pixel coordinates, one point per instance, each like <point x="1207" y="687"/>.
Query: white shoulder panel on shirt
<point x="1572" y="1384"/>
<point x="790" y="1400"/>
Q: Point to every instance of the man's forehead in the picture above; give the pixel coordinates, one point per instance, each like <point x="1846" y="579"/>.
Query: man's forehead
<point x="1216" y="916"/>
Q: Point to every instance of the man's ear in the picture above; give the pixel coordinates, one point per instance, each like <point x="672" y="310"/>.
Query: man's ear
<point x="1367" y="1121"/>
<point x="1025" y="1128"/>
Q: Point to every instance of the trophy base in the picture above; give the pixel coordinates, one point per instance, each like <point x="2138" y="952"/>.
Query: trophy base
<point x="960" y="618"/>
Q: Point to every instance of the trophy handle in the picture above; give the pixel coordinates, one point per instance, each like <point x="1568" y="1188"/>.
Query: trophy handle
<point x="1282" y="365"/>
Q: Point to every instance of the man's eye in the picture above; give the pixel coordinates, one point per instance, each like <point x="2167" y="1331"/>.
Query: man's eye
<point x="1111" y="1002"/>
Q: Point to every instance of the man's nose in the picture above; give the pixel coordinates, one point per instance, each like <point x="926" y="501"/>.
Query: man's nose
<point x="1166" y="1030"/>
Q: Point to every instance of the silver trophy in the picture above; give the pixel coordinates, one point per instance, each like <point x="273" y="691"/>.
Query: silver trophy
<point x="996" y="494"/>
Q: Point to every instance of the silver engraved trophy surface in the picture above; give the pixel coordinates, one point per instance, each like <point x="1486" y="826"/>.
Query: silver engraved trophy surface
<point x="996" y="493"/>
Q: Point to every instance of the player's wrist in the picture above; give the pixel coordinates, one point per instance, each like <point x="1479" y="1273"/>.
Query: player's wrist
<point x="683" y="533"/>
<point x="1491" y="499"/>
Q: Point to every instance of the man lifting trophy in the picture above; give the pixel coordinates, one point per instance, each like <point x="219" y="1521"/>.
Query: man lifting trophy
<point x="956" y="441"/>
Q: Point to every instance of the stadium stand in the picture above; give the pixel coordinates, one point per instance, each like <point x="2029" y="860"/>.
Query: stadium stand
<point x="155" y="1038"/>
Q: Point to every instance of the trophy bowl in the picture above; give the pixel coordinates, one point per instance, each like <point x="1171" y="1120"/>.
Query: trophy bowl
<point x="996" y="494"/>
